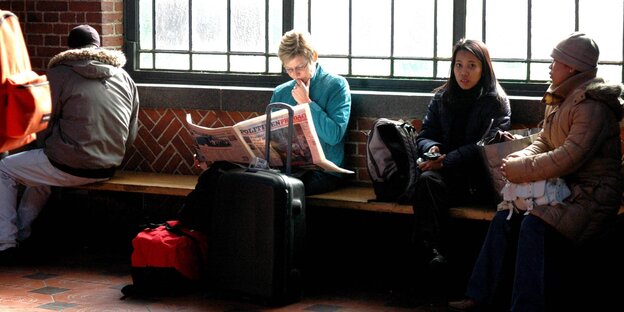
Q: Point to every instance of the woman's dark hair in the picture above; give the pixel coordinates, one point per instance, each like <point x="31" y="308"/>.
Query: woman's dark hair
<point x="477" y="48"/>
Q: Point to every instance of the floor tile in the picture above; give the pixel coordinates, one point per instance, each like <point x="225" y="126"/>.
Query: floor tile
<point x="40" y="276"/>
<point x="49" y="290"/>
<point x="57" y="306"/>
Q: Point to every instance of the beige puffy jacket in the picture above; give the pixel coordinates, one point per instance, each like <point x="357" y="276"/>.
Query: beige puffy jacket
<point x="580" y="142"/>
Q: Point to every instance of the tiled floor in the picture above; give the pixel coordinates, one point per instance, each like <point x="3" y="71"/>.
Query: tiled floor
<point x="91" y="281"/>
<point x="78" y="261"/>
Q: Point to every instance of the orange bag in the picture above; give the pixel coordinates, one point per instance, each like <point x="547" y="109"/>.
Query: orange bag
<point x="25" y="100"/>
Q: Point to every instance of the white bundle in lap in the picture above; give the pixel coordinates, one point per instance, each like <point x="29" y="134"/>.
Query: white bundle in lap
<point x="525" y="196"/>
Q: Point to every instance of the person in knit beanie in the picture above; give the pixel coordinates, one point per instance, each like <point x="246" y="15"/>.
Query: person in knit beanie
<point x="546" y="251"/>
<point x="83" y="36"/>
<point x="577" y="51"/>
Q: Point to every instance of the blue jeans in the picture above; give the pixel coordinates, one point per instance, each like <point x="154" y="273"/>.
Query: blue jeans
<point x="513" y="252"/>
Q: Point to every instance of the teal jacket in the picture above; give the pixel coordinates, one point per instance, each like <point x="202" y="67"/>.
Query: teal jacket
<point x="330" y="107"/>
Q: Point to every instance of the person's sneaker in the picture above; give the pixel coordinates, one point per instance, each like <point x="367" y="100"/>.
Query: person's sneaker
<point x="464" y="305"/>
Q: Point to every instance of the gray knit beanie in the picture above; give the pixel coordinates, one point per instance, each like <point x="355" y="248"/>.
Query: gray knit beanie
<point x="577" y="51"/>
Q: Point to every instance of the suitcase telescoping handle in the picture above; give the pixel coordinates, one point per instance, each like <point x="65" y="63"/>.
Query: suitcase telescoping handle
<point x="267" y="146"/>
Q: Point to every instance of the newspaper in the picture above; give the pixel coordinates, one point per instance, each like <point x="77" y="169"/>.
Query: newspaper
<point x="244" y="142"/>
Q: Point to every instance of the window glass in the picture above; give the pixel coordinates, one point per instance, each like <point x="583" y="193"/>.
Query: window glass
<point x="506" y="29"/>
<point x="370" y="67"/>
<point x="248" y="25"/>
<point x="172" y="25"/>
<point x="172" y="61"/>
<point x="275" y="26"/>
<point x="247" y="63"/>
<point x="610" y="72"/>
<point x="371" y="28"/>
<point x="408" y="68"/>
<point x="335" y="65"/>
<point x="444" y="69"/>
<point x="510" y="70"/>
<point x="146" y="60"/>
<point x="210" y="62"/>
<point x="330" y="26"/>
<point x="301" y="14"/>
<point x="146" y="25"/>
<point x="414" y="34"/>
<point x="540" y="71"/>
<point x="474" y="19"/>
<point x="210" y="26"/>
<point x="408" y="40"/>
<point x="551" y="21"/>
<point x="445" y="28"/>
<point x="607" y="29"/>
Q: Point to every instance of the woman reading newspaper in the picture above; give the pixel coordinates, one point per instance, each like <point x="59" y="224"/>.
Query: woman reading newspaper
<point x="329" y="98"/>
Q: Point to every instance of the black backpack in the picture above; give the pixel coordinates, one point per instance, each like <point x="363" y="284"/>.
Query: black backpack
<point x="391" y="155"/>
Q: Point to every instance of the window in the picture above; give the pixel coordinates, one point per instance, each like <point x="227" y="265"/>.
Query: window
<point x="400" y="45"/>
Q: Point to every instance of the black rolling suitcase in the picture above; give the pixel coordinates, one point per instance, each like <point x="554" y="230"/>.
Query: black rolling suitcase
<point x="257" y="231"/>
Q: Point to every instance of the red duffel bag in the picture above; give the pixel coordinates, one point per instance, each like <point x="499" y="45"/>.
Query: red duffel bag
<point x="167" y="259"/>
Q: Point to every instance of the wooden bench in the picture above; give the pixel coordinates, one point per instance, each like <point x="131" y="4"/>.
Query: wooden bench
<point x="352" y="197"/>
<point x="147" y="183"/>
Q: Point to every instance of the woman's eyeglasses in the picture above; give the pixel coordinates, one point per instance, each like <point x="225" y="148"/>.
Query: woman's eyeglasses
<point x="297" y="69"/>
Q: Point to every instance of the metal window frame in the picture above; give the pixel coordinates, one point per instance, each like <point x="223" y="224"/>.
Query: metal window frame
<point x="269" y="80"/>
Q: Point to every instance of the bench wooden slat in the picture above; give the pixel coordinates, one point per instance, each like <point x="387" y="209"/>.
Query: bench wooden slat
<point x="353" y="197"/>
<point x="146" y="182"/>
<point x="363" y="198"/>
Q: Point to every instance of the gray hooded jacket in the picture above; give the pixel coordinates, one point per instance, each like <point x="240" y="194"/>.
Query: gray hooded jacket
<point x="95" y="108"/>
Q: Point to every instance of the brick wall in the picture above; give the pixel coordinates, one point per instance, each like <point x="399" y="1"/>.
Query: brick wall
<point x="164" y="144"/>
<point x="46" y="23"/>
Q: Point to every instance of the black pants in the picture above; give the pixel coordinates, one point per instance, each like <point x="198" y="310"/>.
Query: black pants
<point x="435" y="193"/>
<point x="317" y="182"/>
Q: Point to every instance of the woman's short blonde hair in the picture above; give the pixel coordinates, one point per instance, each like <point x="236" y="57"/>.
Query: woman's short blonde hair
<point x="296" y="43"/>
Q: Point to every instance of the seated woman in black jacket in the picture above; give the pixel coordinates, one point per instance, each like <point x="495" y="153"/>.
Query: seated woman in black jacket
<point x="471" y="105"/>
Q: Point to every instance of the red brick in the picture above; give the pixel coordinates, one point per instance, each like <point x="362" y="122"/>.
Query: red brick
<point x="358" y="162"/>
<point x="34" y="39"/>
<point x="166" y="153"/>
<point x="16" y="6"/>
<point x="62" y="29"/>
<point x="107" y="29"/>
<point x="356" y="136"/>
<point x="85" y="6"/>
<point x="48" y="51"/>
<point x="48" y="6"/>
<point x="350" y="149"/>
<point x="34" y="17"/>
<point x="67" y="17"/>
<point x="112" y="41"/>
<point x="115" y="17"/>
<point x="152" y="115"/>
<point x="361" y="149"/>
<point x="171" y="131"/>
<point x="364" y="123"/>
<point x="50" y="17"/>
<point x="93" y="18"/>
<point x="107" y="6"/>
<point x="81" y="17"/>
<point x="38" y="28"/>
<point x="119" y="6"/>
<point x="362" y="175"/>
<point x="52" y="40"/>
